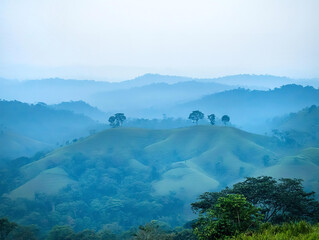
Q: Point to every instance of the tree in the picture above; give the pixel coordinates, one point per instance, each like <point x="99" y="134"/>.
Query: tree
<point x="225" y="119"/>
<point x="61" y="233"/>
<point x="280" y="201"/>
<point x="6" y="227"/>
<point x="117" y="120"/>
<point x="195" y="116"/>
<point x="152" y="230"/>
<point x="86" y="235"/>
<point x="230" y="215"/>
<point x="211" y="118"/>
<point x="22" y="233"/>
<point x="12" y="231"/>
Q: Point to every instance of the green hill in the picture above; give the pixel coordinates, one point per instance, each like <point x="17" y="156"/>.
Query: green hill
<point x="128" y="176"/>
<point x="301" y="127"/>
<point x="304" y="165"/>
<point x="214" y="156"/>
<point x="13" y="145"/>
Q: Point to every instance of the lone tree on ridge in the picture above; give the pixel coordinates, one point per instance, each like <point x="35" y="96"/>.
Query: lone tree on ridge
<point x="225" y="119"/>
<point x="117" y="120"/>
<point x="195" y="116"/>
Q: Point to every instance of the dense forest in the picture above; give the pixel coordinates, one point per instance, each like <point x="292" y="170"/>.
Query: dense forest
<point x="256" y="208"/>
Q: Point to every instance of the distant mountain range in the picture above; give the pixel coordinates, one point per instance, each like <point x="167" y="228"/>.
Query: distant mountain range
<point x="44" y="123"/>
<point x="248" y="108"/>
<point x="83" y="108"/>
<point x="53" y="91"/>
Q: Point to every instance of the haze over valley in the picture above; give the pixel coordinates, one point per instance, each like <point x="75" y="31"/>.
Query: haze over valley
<point x="159" y="120"/>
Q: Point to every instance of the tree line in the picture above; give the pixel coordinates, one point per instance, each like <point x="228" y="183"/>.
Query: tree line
<point x="117" y="119"/>
<point x="197" y="115"/>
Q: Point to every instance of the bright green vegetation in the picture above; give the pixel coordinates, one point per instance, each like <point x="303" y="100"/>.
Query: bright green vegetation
<point x="230" y="215"/>
<point x="242" y="208"/>
<point x="287" y="231"/>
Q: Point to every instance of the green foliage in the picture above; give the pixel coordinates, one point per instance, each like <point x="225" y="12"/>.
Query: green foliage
<point x="229" y="216"/>
<point x="280" y="201"/>
<point x="86" y="235"/>
<point x="6" y="227"/>
<point x="22" y="233"/>
<point x="13" y="231"/>
<point x="195" y="116"/>
<point x="161" y="231"/>
<point x="61" y="233"/>
<point x="106" y="235"/>
<point x="288" y="231"/>
<point x="152" y="230"/>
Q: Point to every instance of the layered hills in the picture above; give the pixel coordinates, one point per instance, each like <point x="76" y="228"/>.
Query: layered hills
<point x="125" y="177"/>
<point x="43" y="123"/>
<point x="185" y="161"/>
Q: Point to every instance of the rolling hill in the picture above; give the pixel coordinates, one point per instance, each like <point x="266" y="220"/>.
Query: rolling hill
<point x="206" y="153"/>
<point x="13" y="145"/>
<point x="128" y="175"/>
<point x="306" y="121"/>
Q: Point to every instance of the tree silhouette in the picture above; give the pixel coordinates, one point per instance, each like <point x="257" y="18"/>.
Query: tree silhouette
<point x="117" y="120"/>
<point x="211" y="118"/>
<point x="195" y="116"/>
<point x="225" y="119"/>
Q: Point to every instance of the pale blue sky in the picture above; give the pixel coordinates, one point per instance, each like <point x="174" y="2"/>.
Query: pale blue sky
<point x="121" y="39"/>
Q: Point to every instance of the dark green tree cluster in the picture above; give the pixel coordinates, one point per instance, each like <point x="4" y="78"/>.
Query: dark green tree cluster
<point x="247" y="204"/>
<point x="160" y="231"/>
<point x="97" y="200"/>
<point x="195" y="116"/>
<point x="67" y="233"/>
<point x="230" y="215"/>
<point x="117" y="120"/>
<point x="13" y="231"/>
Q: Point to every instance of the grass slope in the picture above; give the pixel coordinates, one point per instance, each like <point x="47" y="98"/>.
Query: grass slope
<point x="13" y="145"/>
<point x="304" y="165"/>
<point x="49" y="182"/>
<point x="189" y="161"/>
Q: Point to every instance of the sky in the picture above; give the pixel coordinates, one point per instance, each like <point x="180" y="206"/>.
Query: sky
<point x="116" y="40"/>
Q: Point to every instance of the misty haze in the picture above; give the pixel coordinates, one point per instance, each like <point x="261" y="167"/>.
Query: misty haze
<point x="159" y="120"/>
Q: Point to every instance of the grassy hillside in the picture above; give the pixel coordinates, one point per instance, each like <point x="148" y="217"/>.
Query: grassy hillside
<point x="13" y="145"/>
<point x="128" y="176"/>
<point x="304" y="165"/>
<point x="213" y="155"/>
